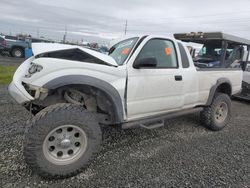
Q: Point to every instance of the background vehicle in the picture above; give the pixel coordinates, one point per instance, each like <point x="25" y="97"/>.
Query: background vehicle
<point x="219" y="49"/>
<point x="104" y="50"/>
<point x="2" y="44"/>
<point x="15" y="46"/>
<point x="144" y="79"/>
<point x="222" y="50"/>
<point x="245" y="93"/>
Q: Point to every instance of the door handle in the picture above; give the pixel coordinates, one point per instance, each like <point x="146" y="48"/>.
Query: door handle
<point x="178" y="78"/>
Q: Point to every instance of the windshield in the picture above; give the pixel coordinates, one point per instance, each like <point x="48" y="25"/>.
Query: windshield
<point x="121" y="50"/>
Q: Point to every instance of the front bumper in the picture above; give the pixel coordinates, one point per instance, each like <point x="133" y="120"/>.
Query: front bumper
<point x="17" y="94"/>
<point x="16" y="88"/>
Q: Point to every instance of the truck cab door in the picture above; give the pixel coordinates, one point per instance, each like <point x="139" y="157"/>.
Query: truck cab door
<point x="154" y="88"/>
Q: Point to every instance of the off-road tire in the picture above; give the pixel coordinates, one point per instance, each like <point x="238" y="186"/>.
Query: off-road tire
<point x="17" y="52"/>
<point x="50" y="118"/>
<point x="208" y="115"/>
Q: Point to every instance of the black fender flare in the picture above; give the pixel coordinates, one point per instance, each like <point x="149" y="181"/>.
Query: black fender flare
<point x="107" y="88"/>
<point x="214" y="88"/>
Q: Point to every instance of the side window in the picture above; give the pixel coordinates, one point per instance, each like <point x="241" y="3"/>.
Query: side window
<point x="184" y="57"/>
<point x="162" y="50"/>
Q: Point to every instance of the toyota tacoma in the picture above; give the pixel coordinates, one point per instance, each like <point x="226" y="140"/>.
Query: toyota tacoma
<point x="73" y="92"/>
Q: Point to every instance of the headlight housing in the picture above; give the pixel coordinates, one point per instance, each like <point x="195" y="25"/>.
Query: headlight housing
<point x="34" y="68"/>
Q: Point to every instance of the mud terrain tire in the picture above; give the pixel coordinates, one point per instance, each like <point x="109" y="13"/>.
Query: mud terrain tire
<point x="74" y="124"/>
<point x="216" y="116"/>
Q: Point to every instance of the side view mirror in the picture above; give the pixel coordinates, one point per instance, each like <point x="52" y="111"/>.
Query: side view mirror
<point x="145" y="62"/>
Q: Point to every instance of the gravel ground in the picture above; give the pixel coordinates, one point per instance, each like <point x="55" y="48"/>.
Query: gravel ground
<point x="181" y="154"/>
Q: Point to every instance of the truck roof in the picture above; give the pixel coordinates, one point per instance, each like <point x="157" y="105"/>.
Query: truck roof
<point x="202" y="38"/>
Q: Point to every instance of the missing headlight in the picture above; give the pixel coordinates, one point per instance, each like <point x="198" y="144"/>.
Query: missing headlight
<point x="35" y="91"/>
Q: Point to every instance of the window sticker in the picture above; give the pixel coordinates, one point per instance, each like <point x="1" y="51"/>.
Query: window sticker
<point x="125" y="51"/>
<point x="168" y="51"/>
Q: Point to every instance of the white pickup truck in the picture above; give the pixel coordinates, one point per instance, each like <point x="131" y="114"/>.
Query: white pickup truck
<point x="145" y="79"/>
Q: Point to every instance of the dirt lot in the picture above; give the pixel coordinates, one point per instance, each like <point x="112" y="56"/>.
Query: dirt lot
<point x="181" y="154"/>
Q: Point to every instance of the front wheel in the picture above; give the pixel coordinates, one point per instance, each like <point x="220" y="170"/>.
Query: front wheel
<point x="61" y="140"/>
<point x="218" y="114"/>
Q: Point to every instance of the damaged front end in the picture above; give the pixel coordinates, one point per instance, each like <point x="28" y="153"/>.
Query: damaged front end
<point x="72" y="70"/>
<point x="89" y="98"/>
<point x="38" y="94"/>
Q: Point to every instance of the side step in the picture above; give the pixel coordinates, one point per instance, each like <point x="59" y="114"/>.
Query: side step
<point x="158" y="121"/>
<point x="242" y="97"/>
<point x="153" y="125"/>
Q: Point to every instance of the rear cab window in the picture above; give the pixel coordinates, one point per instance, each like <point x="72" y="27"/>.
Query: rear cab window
<point x="184" y="56"/>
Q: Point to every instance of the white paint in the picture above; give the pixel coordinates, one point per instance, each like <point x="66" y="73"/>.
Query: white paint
<point x="39" y="48"/>
<point x="149" y="91"/>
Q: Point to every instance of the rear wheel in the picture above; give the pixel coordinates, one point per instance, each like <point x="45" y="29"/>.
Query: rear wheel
<point x="218" y="114"/>
<point x="61" y="140"/>
<point x="17" y="52"/>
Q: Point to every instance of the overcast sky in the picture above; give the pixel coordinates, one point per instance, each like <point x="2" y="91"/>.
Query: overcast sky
<point x="94" y="19"/>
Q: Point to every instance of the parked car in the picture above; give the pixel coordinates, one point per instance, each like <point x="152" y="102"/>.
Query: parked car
<point x="104" y="49"/>
<point x="72" y="91"/>
<point x="2" y="43"/>
<point x="14" y="46"/>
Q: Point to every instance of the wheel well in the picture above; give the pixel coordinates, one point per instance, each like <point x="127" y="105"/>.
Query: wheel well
<point x="224" y="88"/>
<point x="15" y="47"/>
<point x="99" y="100"/>
<point x="220" y="87"/>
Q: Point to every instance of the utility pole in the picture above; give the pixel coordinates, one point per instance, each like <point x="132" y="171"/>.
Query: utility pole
<point x="65" y="34"/>
<point x="126" y="27"/>
<point x="38" y="33"/>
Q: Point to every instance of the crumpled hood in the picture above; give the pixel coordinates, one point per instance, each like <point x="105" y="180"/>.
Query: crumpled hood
<point x="40" y="48"/>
